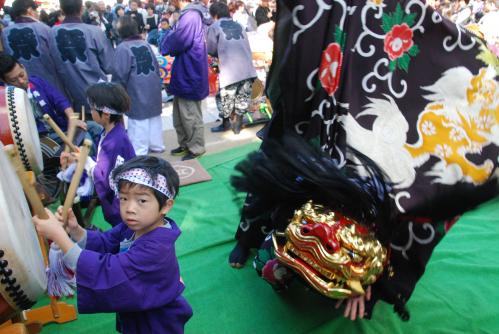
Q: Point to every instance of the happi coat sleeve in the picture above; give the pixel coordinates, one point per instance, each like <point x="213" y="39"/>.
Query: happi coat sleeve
<point x="212" y="37"/>
<point x="104" y="51"/>
<point x="108" y="241"/>
<point x="145" y="277"/>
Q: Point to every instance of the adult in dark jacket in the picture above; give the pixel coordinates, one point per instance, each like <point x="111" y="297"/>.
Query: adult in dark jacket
<point x="263" y="14"/>
<point x="134" y="6"/>
<point x="189" y="82"/>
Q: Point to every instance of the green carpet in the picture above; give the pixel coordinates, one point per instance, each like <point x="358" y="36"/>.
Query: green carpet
<point x="456" y="295"/>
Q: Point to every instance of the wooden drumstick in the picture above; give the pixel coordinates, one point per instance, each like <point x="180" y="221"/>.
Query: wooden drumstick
<point x="83" y="113"/>
<point x="66" y="139"/>
<point x="75" y="181"/>
<point x="30" y="191"/>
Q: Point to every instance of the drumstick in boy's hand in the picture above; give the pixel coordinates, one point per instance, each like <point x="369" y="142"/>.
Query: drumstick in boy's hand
<point x="30" y="191"/>
<point x="75" y="181"/>
<point x="66" y="139"/>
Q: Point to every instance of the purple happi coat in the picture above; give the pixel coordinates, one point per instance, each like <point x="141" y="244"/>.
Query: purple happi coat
<point x="142" y="283"/>
<point x="113" y="146"/>
<point x="82" y="55"/>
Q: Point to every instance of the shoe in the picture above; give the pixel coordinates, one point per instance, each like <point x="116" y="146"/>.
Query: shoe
<point x="237" y="124"/>
<point x="224" y="126"/>
<point x="179" y="151"/>
<point x="190" y="156"/>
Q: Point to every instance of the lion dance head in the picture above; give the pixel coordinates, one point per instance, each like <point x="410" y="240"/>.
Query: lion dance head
<point x="333" y="253"/>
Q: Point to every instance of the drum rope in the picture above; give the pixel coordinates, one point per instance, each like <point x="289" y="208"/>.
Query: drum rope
<point x="16" y="129"/>
<point x="14" y="290"/>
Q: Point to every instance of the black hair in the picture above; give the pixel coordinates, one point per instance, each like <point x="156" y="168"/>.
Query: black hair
<point x="53" y="17"/>
<point x="150" y="6"/>
<point x="117" y="9"/>
<point x="111" y="95"/>
<point x="7" y="64"/>
<point x="127" y="27"/>
<point x="20" y="7"/>
<point x="153" y="166"/>
<point x="219" y="10"/>
<point x="44" y="17"/>
<point x="71" y="7"/>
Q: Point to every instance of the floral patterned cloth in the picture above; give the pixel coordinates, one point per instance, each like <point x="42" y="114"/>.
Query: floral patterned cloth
<point x="413" y="91"/>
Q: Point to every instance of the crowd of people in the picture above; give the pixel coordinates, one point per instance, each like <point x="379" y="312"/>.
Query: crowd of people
<point x="79" y="44"/>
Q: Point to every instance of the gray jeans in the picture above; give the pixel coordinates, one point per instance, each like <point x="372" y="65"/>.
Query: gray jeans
<point x="188" y="123"/>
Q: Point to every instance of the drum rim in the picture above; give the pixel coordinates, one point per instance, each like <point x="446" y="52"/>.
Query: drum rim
<point x="10" y="289"/>
<point x="16" y="132"/>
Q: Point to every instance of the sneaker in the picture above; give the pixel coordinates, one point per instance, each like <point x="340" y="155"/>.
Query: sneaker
<point x="179" y="151"/>
<point x="190" y="156"/>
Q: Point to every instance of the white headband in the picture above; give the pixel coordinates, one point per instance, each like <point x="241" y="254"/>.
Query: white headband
<point x="140" y="176"/>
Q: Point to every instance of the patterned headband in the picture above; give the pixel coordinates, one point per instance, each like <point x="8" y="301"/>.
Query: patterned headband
<point x="140" y="176"/>
<point x="104" y="109"/>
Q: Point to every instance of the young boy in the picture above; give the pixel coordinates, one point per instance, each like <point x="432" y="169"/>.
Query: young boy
<point x="227" y="40"/>
<point x="131" y="269"/>
<point x="164" y="30"/>
<point x="108" y="103"/>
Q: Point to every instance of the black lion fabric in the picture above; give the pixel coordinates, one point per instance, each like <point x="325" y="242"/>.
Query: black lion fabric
<point x="71" y="44"/>
<point x="143" y="60"/>
<point x="23" y="43"/>
<point x="404" y="86"/>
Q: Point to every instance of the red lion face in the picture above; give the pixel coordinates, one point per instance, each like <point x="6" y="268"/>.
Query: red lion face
<point x="336" y="255"/>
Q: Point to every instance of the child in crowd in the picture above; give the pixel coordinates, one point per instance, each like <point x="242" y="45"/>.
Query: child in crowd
<point x="227" y="40"/>
<point x="131" y="269"/>
<point x="164" y="30"/>
<point x="108" y="103"/>
<point x="135" y="67"/>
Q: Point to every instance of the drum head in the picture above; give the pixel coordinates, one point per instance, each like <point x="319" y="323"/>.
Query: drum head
<point x="23" y="128"/>
<point x="22" y="271"/>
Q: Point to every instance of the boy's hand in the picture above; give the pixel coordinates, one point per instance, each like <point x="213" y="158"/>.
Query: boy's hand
<point x="50" y="228"/>
<point x="79" y="123"/>
<point x="72" y="226"/>
<point x="355" y="306"/>
<point x="66" y="158"/>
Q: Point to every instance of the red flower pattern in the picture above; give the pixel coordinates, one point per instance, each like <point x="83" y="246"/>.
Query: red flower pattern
<point x="330" y="68"/>
<point x="398" y="40"/>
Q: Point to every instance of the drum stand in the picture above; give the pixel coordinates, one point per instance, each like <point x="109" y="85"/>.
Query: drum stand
<point x="57" y="311"/>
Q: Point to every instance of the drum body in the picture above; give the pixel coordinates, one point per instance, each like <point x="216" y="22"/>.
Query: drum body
<point x="22" y="271"/>
<point x="18" y="127"/>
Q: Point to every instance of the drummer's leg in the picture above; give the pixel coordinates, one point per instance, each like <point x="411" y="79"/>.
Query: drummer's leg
<point x="94" y="131"/>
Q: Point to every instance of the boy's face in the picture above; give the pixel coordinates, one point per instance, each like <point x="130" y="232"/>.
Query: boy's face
<point x="17" y="77"/>
<point x="140" y="209"/>
<point x="164" y="25"/>
<point x="102" y="119"/>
